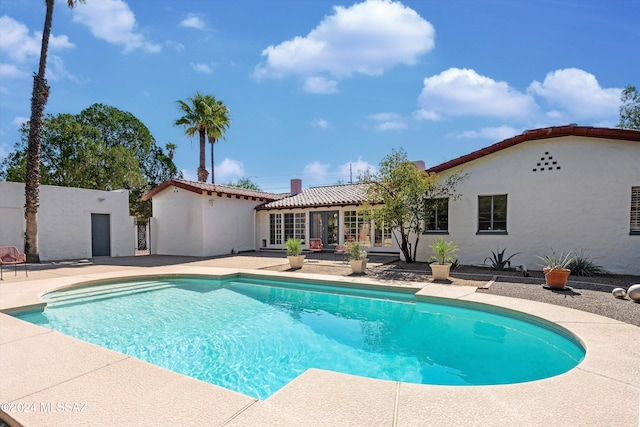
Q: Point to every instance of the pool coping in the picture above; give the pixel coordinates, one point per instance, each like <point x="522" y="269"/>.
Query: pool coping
<point x="47" y="376"/>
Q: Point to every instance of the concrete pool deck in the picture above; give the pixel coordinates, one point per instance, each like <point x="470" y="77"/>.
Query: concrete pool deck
<point x="47" y="378"/>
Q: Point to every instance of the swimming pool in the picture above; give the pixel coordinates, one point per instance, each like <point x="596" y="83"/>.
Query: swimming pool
<point x="255" y="335"/>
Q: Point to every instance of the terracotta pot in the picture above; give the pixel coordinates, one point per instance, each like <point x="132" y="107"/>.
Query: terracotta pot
<point x="556" y="279"/>
<point x="440" y="271"/>
<point x="296" y="262"/>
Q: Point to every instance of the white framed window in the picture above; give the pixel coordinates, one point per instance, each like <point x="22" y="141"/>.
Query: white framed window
<point x="275" y="229"/>
<point x="492" y="214"/>
<point x="295" y="226"/>
<point x="356" y="229"/>
<point x="382" y="237"/>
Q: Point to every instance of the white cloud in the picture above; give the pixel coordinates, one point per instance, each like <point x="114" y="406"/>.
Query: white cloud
<point x="354" y="169"/>
<point x="457" y="92"/>
<point x="321" y="124"/>
<point x="114" y="22"/>
<point x="178" y="47"/>
<point x="228" y="170"/>
<point x="320" y="85"/>
<point x="366" y="38"/>
<point x="388" y="121"/>
<point x="202" y="68"/>
<point x="10" y="71"/>
<point x="193" y="21"/>
<point x="577" y="94"/>
<point x="316" y="171"/>
<point x="18" y="121"/>
<point x="493" y="133"/>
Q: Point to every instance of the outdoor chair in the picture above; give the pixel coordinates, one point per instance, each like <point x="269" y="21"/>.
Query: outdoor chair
<point x="10" y="255"/>
<point x="315" y="245"/>
<point x="340" y="250"/>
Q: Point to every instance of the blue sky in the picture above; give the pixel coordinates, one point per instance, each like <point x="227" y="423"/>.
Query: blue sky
<point x="317" y="86"/>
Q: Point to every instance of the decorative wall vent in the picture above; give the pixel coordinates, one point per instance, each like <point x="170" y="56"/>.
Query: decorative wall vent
<point x="546" y="163"/>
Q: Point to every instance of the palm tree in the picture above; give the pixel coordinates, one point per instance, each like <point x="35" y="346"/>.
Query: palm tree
<point x="217" y="124"/>
<point x="208" y="117"/>
<point x="171" y="149"/>
<point x="39" y="99"/>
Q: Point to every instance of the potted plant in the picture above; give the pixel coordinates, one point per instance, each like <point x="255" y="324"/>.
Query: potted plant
<point x="294" y="253"/>
<point x="357" y="258"/>
<point x="555" y="269"/>
<point x="442" y="257"/>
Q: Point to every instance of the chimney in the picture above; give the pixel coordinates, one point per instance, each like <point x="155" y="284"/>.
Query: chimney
<point x="296" y="186"/>
<point x="419" y="164"/>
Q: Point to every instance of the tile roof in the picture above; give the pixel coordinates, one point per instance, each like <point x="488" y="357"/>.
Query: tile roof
<point x="543" y="133"/>
<point x="331" y="195"/>
<point x="203" y="187"/>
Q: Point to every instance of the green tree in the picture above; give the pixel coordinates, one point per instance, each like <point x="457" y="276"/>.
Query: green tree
<point x="171" y="149"/>
<point x="207" y="117"/>
<point x="630" y="108"/>
<point x="244" y="183"/>
<point x="400" y="195"/>
<point x="39" y="97"/>
<point x="101" y="148"/>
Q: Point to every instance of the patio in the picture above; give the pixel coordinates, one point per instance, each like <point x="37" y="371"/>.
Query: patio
<point x="51" y="379"/>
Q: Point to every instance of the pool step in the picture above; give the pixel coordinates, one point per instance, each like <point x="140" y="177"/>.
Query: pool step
<point x="75" y="296"/>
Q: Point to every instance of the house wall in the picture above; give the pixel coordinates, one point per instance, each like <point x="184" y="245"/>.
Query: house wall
<point x="263" y="228"/>
<point x="64" y="220"/>
<point x="585" y="205"/>
<point x="191" y="224"/>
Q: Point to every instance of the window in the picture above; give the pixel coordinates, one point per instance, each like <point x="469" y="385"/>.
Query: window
<point x="294" y="226"/>
<point x="382" y="236"/>
<point x="356" y="229"/>
<point x="437" y="218"/>
<point x="492" y="213"/>
<point x="635" y="210"/>
<point x="275" y="229"/>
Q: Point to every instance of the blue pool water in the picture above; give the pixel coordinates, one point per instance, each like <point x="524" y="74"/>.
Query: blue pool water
<point x="254" y="336"/>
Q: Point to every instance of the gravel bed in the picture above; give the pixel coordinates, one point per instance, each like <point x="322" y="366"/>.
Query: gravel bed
<point x="591" y="294"/>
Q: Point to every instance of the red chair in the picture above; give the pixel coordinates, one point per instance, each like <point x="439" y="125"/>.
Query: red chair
<point x="10" y="255"/>
<point x="340" y="249"/>
<point x="315" y="245"/>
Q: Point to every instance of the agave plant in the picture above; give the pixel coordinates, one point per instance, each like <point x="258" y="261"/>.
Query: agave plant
<point x="556" y="262"/>
<point x="498" y="261"/>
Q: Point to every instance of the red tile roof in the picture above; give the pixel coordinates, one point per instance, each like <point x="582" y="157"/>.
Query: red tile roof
<point x="315" y="197"/>
<point x="203" y="187"/>
<point x="543" y="133"/>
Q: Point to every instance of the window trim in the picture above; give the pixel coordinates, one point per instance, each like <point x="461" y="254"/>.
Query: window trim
<point x="634" y="212"/>
<point x="438" y="231"/>
<point x="492" y="232"/>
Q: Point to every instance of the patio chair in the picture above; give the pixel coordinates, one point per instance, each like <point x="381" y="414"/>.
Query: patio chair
<point x="10" y="255"/>
<point x="340" y="250"/>
<point x="315" y="245"/>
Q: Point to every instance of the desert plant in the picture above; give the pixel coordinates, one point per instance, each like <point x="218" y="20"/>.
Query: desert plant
<point x="293" y="247"/>
<point x="443" y="251"/>
<point x="498" y="261"/>
<point x="582" y="265"/>
<point x="455" y="264"/>
<point x="553" y="261"/>
<point x="354" y="252"/>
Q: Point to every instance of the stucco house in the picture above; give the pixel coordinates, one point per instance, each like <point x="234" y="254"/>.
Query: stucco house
<point x="73" y="223"/>
<point x="570" y="188"/>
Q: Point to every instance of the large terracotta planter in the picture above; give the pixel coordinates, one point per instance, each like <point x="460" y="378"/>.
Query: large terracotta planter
<point x="556" y="279"/>
<point x="296" y="262"/>
<point x="358" y="266"/>
<point x="440" y="271"/>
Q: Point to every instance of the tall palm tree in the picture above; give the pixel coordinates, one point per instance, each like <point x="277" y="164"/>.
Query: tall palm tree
<point x="217" y="124"/>
<point x="39" y="98"/>
<point x="208" y="117"/>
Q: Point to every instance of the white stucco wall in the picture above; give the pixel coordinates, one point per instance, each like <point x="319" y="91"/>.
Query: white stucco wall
<point x="583" y="206"/>
<point x="64" y="220"/>
<point x="187" y="223"/>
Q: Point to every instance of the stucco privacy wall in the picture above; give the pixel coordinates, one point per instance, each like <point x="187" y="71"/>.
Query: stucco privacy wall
<point x="584" y="205"/>
<point x="187" y="223"/>
<point x="64" y="220"/>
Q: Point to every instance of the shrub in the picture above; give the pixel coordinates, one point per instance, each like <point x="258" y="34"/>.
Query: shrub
<point x="498" y="261"/>
<point x="293" y="247"/>
<point x="582" y="265"/>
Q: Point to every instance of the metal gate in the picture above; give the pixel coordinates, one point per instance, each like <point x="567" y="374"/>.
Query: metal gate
<point x="141" y="228"/>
